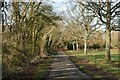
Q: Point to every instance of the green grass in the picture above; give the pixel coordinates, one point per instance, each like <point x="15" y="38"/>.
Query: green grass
<point x="42" y="69"/>
<point x="94" y="62"/>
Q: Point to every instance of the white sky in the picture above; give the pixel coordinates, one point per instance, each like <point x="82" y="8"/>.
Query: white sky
<point x="59" y="5"/>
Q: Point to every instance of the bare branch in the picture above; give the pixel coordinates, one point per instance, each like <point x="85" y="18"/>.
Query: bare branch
<point x="115" y="7"/>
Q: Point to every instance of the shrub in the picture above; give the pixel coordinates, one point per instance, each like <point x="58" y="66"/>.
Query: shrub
<point x="96" y="46"/>
<point x="69" y="46"/>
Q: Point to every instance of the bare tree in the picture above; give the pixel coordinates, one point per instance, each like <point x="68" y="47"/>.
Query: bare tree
<point x="105" y="11"/>
<point x="86" y="22"/>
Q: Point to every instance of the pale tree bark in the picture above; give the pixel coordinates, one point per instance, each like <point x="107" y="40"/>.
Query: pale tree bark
<point x="85" y="45"/>
<point x="73" y="45"/>
<point x="77" y="46"/>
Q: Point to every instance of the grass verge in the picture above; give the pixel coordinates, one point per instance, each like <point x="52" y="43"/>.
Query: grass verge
<point x="95" y="65"/>
<point x="36" y="71"/>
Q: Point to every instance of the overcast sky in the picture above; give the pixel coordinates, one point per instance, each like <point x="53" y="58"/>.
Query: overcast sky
<point x="60" y="5"/>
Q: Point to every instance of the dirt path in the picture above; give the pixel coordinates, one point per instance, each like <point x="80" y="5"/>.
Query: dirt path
<point x="63" y="68"/>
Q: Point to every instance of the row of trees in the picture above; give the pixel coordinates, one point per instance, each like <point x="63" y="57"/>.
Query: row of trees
<point x="85" y="18"/>
<point x="27" y="30"/>
<point x="95" y="41"/>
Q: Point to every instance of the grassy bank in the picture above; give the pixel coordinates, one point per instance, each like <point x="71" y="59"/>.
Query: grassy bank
<point x="36" y="71"/>
<point x="95" y="65"/>
<point x="42" y="69"/>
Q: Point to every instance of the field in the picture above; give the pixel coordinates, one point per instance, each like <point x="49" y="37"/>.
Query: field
<point x="94" y="64"/>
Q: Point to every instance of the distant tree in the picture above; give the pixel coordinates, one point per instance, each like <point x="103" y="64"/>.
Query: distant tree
<point x="96" y="46"/>
<point x="97" y="38"/>
<point x="114" y="39"/>
<point x="86" y="23"/>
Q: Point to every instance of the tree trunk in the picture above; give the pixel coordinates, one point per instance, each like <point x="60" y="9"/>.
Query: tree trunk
<point x="33" y="41"/>
<point x="73" y="46"/>
<point x="108" y="43"/>
<point x="51" y="47"/>
<point x="85" y="45"/>
<point x="42" y="52"/>
<point x="108" y="32"/>
<point x="77" y="46"/>
<point x="65" y="45"/>
<point x="24" y="41"/>
<point x="42" y="47"/>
